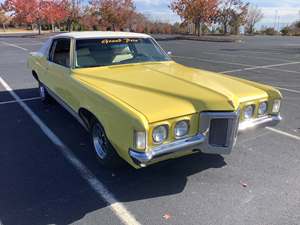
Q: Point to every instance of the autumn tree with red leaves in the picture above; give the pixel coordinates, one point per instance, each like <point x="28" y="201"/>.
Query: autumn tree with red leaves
<point x="116" y="13"/>
<point x="55" y="11"/>
<point x="198" y="12"/>
<point x="36" y="11"/>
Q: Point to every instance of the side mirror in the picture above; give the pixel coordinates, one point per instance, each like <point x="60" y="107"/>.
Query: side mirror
<point x="169" y="53"/>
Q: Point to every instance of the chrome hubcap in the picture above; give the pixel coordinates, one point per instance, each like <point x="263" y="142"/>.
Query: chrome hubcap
<point x="42" y="92"/>
<point x="99" y="141"/>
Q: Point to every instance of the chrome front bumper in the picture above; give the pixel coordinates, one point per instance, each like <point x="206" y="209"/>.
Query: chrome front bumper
<point x="200" y="142"/>
<point x="267" y="121"/>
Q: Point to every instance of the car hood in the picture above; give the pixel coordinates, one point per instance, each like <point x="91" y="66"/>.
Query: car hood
<point x="167" y="90"/>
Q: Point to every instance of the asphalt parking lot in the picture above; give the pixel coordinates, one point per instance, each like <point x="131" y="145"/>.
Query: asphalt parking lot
<point x="44" y="181"/>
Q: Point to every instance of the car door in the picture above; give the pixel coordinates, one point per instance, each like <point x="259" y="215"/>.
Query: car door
<point x="58" y="69"/>
<point x="60" y="74"/>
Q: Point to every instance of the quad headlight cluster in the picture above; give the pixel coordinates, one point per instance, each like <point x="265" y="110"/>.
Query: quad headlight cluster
<point x="161" y="133"/>
<point x="262" y="110"/>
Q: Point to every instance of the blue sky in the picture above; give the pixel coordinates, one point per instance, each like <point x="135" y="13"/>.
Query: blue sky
<point x="287" y="10"/>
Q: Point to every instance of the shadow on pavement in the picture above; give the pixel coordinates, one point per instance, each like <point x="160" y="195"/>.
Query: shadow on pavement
<point x="39" y="186"/>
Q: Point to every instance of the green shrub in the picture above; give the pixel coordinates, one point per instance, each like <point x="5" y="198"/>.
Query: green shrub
<point x="286" y="31"/>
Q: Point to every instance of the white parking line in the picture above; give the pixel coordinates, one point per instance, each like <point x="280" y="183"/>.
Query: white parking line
<point x="260" y="52"/>
<point x="260" y="67"/>
<point x="284" y="133"/>
<point x="118" y="208"/>
<point x="23" y="100"/>
<point x="31" y="44"/>
<point x="283" y="70"/>
<point x="245" y="56"/>
<point x="290" y="90"/>
<point x="13" y="45"/>
<point x="248" y="67"/>
<point x="210" y="61"/>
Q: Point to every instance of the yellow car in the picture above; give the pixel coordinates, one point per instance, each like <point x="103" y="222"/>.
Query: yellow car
<point x="139" y="105"/>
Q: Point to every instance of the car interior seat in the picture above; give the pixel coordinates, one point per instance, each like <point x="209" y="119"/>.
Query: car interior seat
<point x="84" y="58"/>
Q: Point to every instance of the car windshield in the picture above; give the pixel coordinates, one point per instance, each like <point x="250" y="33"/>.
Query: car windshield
<point x="115" y="51"/>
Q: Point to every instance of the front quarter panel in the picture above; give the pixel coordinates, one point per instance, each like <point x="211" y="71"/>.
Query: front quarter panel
<point x="38" y="63"/>
<point x="119" y="120"/>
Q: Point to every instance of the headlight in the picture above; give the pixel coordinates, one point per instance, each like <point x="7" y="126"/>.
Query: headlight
<point x="160" y="134"/>
<point x="276" y="106"/>
<point x="263" y="108"/>
<point x="140" y="140"/>
<point x="181" y="128"/>
<point x="248" y="112"/>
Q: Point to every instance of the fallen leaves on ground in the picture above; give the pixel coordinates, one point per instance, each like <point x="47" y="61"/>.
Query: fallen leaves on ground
<point x="167" y="216"/>
<point x="243" y="184"/>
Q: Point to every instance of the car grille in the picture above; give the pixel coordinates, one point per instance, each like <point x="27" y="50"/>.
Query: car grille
<point x="220" y="129"/>
<point x="218" y="132"/>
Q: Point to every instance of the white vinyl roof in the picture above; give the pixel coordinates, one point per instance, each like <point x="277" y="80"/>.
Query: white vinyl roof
<point x="101" y="34"/>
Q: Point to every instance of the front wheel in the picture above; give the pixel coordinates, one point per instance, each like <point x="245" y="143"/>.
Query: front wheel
<point x="103" y="149"/>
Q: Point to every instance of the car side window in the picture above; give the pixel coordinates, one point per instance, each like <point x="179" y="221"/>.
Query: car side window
<point x="60" y="52"/>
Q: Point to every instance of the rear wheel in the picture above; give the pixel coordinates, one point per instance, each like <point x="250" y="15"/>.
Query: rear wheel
<point x="45" y="97"/>
<point x="103" y="149"/>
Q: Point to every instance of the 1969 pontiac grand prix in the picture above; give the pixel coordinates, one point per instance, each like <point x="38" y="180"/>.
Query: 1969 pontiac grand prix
<point x="141" y="106"/>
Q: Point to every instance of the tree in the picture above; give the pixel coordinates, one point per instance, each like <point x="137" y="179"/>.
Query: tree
<point x="269" y="31"/>
<point x="178" y="28"/>
<point x="89" y="21"/>
<point x="36" y="11"/>
<point x="55" y="11"/>
<point x="117" y="13"/>
<point x="286" y="30"/>
<point x="28" y="12"/>
<point x="254" y="15"/>
<point x="232" y="13"/>
<point x="198" y="12"/>
<point x="4" y="19"/>
<point x="74" y="13"/>
<point x="139" y="23"/>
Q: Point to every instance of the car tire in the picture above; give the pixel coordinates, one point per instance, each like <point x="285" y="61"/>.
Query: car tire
<point x="103" y="149"/>
<point x="44" y="95"/>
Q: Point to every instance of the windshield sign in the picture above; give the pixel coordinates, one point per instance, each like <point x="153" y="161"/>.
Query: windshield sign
<point x="115" y="51"/>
